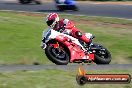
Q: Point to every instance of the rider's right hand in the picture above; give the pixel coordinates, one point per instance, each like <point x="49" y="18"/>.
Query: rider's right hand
<point x="61" y="29"/>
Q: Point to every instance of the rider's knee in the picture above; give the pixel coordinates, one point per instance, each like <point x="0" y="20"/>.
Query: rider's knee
<point x="78" y="34"/>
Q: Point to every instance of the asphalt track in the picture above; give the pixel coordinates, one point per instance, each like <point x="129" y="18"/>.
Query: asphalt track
<point x="120" y="11"/>
<point x="12" y="68"/>
<point x="88" y="8"/>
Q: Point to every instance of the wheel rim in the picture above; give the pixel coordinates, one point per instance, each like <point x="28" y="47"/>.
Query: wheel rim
<point x="103" y="53"/>
<point x="58" y="53"/>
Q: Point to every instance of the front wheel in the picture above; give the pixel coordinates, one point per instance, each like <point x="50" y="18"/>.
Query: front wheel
<point x="102" y="55"/>
<point x="58" y="55"/>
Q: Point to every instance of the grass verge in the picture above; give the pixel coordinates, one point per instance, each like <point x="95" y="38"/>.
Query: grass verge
<point x="54" y="79"/>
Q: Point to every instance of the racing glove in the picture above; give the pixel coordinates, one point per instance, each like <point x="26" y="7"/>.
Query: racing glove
<point x="61" y="29"/>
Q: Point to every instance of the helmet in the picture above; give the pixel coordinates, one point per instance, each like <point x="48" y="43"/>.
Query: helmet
<point x="51" y="19"/>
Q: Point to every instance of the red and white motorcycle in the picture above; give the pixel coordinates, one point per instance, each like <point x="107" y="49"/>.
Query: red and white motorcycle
<point x="62" y="49"/>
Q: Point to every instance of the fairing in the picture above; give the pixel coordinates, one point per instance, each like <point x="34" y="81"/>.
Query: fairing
<point x="77" y="51"/>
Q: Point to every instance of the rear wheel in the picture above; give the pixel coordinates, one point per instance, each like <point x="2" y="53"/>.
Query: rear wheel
<point x="102" y="56"/>
<point x="60" y="8"/>
<point x="75" y="8"/>
<point x="58" y="55"/>
<point x="37" y="2"/>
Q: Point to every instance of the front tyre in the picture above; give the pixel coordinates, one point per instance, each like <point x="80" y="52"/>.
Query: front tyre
<point x="102" y="56"/>
<point x="59" y="56"/>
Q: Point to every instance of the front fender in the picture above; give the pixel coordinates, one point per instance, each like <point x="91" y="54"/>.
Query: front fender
<point x="65" y="44"/>
<point x="74" y="51"/>
<point x="43" y="45"/>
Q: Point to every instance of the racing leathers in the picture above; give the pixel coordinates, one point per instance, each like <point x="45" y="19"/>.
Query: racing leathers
<point x="67" y="27"/>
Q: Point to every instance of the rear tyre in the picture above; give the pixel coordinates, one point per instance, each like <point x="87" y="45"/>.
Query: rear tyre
<point x="102" y="56"/>
<point x="38" y="2"/>
<point x="60" y="8"/>
<point x="59" y="58"/>
<point x="75" y="8"/>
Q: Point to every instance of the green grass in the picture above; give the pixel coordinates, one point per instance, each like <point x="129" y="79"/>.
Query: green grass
<point x="54" y="79"/>
<point x="20" y="36"/>
<point x="20" y="39"/>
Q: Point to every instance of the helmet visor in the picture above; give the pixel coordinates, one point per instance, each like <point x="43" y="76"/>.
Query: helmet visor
<point x="50" y="22"/>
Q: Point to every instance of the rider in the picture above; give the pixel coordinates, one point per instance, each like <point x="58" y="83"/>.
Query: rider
<point x="66" y="26"/>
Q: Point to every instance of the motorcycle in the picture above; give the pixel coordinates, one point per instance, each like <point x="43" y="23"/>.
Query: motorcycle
<point x="29" y="1"/>
<point x="66" y="5"/>
<point x="61" y="49"/>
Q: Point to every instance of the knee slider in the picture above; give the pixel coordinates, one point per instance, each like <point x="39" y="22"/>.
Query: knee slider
<point x="78" y="34"/>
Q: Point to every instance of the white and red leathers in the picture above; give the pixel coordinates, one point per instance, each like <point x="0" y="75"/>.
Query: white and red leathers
<point x="70" y="29"/>
<point x="65" y="26"/>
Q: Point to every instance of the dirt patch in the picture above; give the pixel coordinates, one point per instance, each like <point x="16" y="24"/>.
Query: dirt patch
<point x="102" y="24"/>
<point x="122" y="59"/>
<point x="82" y="21"/>
<point x="32" y="14"/>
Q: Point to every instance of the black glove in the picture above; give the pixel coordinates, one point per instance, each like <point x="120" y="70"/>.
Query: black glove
<point x="93" y="37"/>
<point x="61" y="29"/>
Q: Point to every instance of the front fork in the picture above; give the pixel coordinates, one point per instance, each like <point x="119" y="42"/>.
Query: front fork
<point x="43" y="45"/>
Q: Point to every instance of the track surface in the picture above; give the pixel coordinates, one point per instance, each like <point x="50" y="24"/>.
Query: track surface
<point x="121" y="11"/>
<point x="11" y="68"/>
